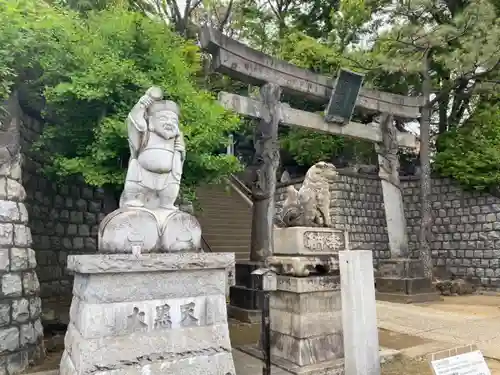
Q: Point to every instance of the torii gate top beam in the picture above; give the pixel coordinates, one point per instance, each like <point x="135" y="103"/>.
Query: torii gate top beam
<point x="307" y="120"/>
<point x="241" y="62"/>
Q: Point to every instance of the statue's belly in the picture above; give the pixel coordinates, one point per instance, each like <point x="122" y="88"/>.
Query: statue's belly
<point x="156" y="160"/>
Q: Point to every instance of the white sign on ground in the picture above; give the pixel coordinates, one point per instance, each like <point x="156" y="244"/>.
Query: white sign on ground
<point x="471" y="363"/>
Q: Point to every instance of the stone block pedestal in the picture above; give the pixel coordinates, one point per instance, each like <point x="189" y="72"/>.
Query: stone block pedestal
<point x="306" y="325"/>
<point x="402" y="280"/>
<point x="305" y="311"/>
<point x="155" y="313"/>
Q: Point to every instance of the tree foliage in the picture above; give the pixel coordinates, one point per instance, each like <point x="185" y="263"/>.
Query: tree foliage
<point x="452" y="46"/>
<point x="471" y="153"/>
<point x="92" y="70"/>
<point x="462" y="42"/>
<point x="97" y="61"/>
<point x="307" y="147"/>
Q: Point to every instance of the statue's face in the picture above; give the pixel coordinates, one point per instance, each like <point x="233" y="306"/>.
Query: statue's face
<point x="323" y="170"/>
<point x="166" y="120"/>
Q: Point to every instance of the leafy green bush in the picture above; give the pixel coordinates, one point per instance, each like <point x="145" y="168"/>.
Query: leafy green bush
<point x="471" y="153"/>
<point x="306" y="146"/>
<point x="92" y="70"/>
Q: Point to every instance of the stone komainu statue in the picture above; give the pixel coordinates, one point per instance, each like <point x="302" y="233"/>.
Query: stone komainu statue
<point x="310" y="205"/>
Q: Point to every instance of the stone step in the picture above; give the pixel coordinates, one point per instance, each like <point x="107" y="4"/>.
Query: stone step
<point x="227" y="220"/>
<point x="232" y="232"/>
<point x="230" y="247"/>
<point x="231" y="210"/>
<point x="235" y="199"/>
<point x="236" y="242"/>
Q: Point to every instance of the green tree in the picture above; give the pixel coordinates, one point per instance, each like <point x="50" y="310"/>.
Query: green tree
<point x="92" y="70"/>
<point x="308" y="147"/>
<point x="454" y="47"/>
<point x="471" y="153"/>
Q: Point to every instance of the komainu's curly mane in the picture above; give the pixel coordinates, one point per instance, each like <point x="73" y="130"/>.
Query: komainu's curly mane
<point x="310" y="206"/>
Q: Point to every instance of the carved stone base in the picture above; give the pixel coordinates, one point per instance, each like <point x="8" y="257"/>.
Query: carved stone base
<point x="303" y="251"/>
<point x="149" y="230"/>
<point x="156" y="313"/>
<point x="306" y="323"/>
<point x="402" y="280"/>
<point x="302" y="266"/>
<point x="308" y="241"/>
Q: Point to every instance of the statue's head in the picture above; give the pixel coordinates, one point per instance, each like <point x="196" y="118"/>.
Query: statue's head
<point x="322" y="171"/>
<point x="164" y="114"/>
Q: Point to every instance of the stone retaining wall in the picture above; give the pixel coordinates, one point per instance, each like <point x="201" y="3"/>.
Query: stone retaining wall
<point x="465" y="233"/>
<point x="41" y="223"/>
<point x="63" y="217"/>
<point x="21" y="332"/>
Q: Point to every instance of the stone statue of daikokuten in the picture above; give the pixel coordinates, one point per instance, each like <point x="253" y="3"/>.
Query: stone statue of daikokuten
<point x="157" y="153"/>
<point x="148" y="220"/>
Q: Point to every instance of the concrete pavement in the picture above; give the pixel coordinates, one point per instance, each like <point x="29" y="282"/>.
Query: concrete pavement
<point x="432" y="323"/>
<point x="440" y="325"/>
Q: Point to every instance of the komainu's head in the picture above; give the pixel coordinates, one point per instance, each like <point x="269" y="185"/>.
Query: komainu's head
<point x="322" y="172"/>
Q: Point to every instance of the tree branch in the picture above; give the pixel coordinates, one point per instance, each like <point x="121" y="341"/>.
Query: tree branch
<point x="174" y="8"/>
<point x="226" y="17"/>
<point x="456" y="82"/>
<point x="275" y="11"/>
<point x="195" y="5"/>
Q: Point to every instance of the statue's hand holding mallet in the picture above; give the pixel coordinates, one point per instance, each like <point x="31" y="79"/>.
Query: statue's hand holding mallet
<point x="152" y="95"/>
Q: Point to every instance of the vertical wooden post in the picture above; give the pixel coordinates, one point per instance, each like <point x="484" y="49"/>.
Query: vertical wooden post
<point x="266" y="163"/>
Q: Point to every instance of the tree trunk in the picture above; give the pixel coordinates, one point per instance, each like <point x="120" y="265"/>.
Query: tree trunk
<point x="425" y="178"/>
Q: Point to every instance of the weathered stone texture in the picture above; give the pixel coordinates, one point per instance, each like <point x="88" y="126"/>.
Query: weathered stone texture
<point x="306" y="323"/>
<point x="465" y="232"/>
<point x="356" y="206"/>
<point x="20" y="343"/>
<point x="63" y="219"/>
<point x="175" y="313"/>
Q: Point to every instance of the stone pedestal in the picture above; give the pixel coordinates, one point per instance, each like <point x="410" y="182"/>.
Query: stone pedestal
<point x="306" y="325"/>
<point x="305" y="310"/>
<point x="245" y="297"/>
<point x="155" y="313"/>
<point x="402" y="280"/>
<point x="304" y="251"/>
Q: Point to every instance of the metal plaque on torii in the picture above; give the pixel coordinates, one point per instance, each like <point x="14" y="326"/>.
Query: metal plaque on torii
<point x="344" y="95"/>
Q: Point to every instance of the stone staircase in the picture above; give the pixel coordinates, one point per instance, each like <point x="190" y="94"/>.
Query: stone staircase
<point x="225" y="216"/>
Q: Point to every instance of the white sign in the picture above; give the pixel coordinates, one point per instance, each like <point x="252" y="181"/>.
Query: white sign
<point x="471" y="363"/>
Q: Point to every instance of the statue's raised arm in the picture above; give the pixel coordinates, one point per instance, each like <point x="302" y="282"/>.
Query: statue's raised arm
<point x="137" y="124"/>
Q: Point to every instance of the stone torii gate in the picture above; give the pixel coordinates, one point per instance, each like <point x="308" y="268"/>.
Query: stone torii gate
<point x="275" y="77"/>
